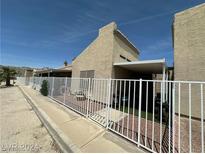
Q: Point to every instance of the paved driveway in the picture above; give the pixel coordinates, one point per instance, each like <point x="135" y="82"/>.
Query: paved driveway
<point x="21" y="130"/>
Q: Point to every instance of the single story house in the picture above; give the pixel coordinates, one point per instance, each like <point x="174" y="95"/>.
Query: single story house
<point x="112" y="55"/>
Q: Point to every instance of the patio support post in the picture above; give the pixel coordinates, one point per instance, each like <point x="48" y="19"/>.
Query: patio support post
<point x="88" y="96"/>
<point x="108" y="102"/>
<point x="163" y="86"/>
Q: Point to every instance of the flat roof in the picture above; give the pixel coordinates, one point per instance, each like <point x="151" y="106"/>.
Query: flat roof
<point x="145" y="66"/>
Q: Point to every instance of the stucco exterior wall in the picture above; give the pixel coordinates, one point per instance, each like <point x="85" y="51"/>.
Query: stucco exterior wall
<point x="98" y="55"/>
<point x="189" y="53"/>
<point x="121" y="48"/>
<point x="102" y="53"/>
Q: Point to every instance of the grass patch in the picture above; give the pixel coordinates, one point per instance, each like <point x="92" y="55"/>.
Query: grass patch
<point x="136" y="112"/>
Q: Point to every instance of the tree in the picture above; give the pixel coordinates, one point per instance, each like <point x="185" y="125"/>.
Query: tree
<point x="65" y="63"/>
<point x="44" y="88"/>
<point x="6" y="74"/>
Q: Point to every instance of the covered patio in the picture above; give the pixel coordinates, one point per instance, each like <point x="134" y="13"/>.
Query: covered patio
<point x="143" y="68"/>
<point x="53" y="73"/>
<point x="146" y="70"/>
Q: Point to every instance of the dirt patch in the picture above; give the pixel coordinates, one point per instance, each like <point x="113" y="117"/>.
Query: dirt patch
<point x="21" y="130"/>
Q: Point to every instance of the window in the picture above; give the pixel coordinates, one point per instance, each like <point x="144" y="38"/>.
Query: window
<point x="122" y="57"/>
<point x="125" y="58"/>
<point x="87" y="74"/>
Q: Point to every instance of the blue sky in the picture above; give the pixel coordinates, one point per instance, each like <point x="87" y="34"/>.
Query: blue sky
<point x="44" y="33"/>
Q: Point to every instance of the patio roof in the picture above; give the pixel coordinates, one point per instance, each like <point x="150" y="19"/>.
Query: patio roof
<point x="146" y="66"/>
<point x="52" y="70"/>
<point x="67" y="68"/>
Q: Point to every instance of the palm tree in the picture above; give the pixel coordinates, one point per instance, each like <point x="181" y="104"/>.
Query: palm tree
<point x="6" y="74"/>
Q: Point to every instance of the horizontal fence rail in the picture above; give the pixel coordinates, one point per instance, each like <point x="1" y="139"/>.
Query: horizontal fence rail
<point x="157" y="115"/>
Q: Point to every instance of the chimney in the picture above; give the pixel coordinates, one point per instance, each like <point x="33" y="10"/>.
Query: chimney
<point x="65" y="63"/>
<point x="109" y="28"/>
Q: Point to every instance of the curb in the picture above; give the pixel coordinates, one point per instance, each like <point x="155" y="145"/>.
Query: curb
<point x="64" y="143"/>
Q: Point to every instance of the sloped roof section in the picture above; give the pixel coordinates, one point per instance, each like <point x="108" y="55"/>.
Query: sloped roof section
<point x="126" y="40"/>
<point x="68" y="67"/>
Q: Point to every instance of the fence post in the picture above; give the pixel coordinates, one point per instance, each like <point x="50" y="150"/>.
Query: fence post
<point x="88" y="96"/>
<point x="108" y="102"/>
<point x="139" y="116"/>
<point x="173" y="117"/>
<point x="202" y="123"/>
<point x="52" y="87"/>
<point x="65" y="89"/>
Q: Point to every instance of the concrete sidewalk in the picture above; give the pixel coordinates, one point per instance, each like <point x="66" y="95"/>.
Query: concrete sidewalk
<point x="74" y="131"/>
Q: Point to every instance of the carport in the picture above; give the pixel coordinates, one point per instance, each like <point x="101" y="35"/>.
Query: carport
<point x="148" y="67"/>
<point x="145" y="66"/>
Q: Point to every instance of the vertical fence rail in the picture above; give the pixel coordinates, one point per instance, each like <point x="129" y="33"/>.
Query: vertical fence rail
<point x="146" y="112"/>
<point x="153" y="111"/>
<point x="139" y="115"/>
<point x="169" y="136"/>
<point x="202" y="121"/>
<point x="179" y="110"/>
<point x="133" y="114"/>
<point x="161" y="99"/>
<point x="190" y="132"/>
<point x="108" y="102"/>
<point x="173" y="118"/>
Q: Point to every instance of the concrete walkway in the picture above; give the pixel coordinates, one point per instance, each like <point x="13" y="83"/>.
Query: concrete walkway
<point x="77" y="132"/>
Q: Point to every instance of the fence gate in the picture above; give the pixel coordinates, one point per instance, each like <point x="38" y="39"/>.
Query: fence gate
<point x="99" y="99"/>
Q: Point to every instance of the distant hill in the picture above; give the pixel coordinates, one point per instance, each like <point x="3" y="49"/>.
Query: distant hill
<point x="20" y="70"/>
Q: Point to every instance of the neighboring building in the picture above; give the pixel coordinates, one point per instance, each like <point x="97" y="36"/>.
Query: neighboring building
<point x="64" y="71"/>
<point x="189" y="65"/>
<point x="28" y="74"/>
<point x="189" y="53"/>
<point x="112" y="55"/>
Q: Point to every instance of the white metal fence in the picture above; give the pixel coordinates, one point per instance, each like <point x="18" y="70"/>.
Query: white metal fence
<point x="160" y="116"/>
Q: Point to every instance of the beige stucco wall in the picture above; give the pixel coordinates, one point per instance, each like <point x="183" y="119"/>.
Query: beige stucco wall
<point x="100" y="56"/>
<point x="102" y="53"/>
<point x="189" y="54"/>
<point x="121" y="48"/>
<point x="97" y="56"/>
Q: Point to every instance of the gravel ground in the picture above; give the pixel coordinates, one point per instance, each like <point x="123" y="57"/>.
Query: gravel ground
<point x="21" y="130"/>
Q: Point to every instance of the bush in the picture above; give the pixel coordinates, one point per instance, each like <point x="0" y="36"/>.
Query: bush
<point x="44" y="88"/>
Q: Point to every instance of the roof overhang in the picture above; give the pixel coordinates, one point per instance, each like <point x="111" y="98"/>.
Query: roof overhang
<point x="144" y="66"/>
<point x="126" y="40"/>
<point x="52" y="71"/>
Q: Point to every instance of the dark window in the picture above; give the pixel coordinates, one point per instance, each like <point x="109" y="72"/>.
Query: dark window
<point x="125" y="58"/>
<point x="122" y="57"/>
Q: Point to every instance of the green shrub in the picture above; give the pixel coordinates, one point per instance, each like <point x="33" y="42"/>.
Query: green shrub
<point x="44" y="88"/>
